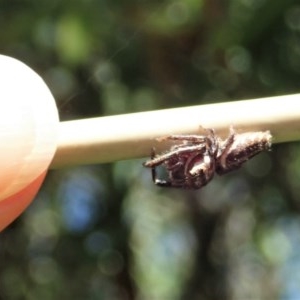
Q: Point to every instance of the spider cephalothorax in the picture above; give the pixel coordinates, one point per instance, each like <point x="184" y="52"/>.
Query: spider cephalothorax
<point x="193" y="163"/>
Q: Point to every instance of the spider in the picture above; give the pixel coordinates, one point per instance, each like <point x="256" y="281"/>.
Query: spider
<point x="193" y="163"/>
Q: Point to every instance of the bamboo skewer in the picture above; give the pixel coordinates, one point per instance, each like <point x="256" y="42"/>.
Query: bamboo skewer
<point x="113" y="138"/>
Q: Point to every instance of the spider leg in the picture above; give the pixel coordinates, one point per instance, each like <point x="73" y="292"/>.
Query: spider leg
<point x="153" y="172"/>
<point x="152" y="153"/>
<point x="211" y="133"/>
<point x="221" y="169"/>
<point x="167" y="183"/>
<point x="229" y="141"/>
<point x="182" y="137"/>
<point x="160" y="159"/>
<point x="162" y="182"/>
<point x="159" y="182"/>
<point x="154" y="161"/>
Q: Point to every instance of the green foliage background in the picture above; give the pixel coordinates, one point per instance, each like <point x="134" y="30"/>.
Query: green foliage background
<point x="105" y="231"/>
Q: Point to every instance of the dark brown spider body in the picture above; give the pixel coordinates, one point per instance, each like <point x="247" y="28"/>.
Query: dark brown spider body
<point x="193" y="163"/>
<point x="186" y="169"/>
<point x="241" y="148"/>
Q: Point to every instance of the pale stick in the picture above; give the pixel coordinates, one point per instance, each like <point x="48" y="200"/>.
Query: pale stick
<point x="129" y="136"/>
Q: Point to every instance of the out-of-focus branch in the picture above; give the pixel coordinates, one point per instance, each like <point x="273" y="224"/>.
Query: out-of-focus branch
<point x="107" y="139"/>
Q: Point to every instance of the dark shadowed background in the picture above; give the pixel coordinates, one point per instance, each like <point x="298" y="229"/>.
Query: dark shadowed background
<point x="105" y="231"/>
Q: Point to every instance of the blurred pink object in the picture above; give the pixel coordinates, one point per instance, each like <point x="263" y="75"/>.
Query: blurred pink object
<point x="28" y="134"/>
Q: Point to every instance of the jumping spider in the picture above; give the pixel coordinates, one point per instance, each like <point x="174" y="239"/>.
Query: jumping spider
<point x="193" y="163"/>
